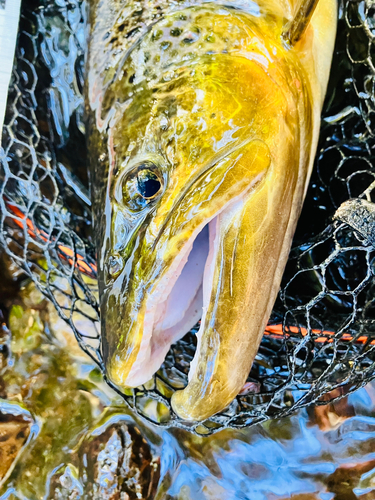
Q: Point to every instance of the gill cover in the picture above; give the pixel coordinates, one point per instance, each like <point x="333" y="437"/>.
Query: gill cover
<point x="210" y="124"/>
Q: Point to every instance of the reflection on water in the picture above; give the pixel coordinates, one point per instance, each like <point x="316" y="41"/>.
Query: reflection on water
<point x="67" y="436"/>
<point x="326" y="453"/>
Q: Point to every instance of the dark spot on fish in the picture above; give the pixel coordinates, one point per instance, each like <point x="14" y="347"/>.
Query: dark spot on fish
<point x="132" y="32"/>
<point x="21" y="435"/>
<point x="176" y="32"/>
<point x="156" y="35"/>
<point x="121" y="27"/>
<point x="165" y="45"/>
<point x="112" y="301"/>
<point x="114" y="39"/>
<point x="131" y="78"/>
<point x="191" y="36"/>
<point x="213" y="115"/>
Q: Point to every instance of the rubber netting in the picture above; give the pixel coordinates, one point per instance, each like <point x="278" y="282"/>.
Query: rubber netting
<point x="320" y="344"/>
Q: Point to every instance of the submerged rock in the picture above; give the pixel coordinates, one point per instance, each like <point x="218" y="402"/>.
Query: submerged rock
<point x="15" y="426"/>
<point x="115" y="463"/>
<point x="65" y="484"/>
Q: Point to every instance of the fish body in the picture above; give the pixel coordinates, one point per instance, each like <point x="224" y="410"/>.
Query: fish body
<point x="203" y="123"/>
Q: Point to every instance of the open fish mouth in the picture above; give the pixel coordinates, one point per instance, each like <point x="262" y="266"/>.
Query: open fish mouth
<point x="174" y="307"/>
<point x="173" y="279"/>
<point x="180" y="299"/>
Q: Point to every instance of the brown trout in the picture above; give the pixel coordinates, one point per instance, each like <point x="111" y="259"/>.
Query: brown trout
<point x="203" y="121"/>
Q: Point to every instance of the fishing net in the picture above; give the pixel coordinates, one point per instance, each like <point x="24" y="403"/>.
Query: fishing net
<point x="320" y="342"/>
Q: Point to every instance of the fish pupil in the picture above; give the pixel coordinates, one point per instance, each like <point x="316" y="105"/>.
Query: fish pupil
<point x="148" y="184"/>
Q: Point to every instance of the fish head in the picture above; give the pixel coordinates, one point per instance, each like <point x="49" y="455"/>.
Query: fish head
<point x="205" y="148"/>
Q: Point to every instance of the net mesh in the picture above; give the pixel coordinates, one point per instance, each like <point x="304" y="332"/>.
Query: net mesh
<point x="320" y="341"/>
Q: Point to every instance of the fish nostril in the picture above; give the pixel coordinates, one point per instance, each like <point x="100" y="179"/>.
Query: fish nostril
<point x="115" y="265"/>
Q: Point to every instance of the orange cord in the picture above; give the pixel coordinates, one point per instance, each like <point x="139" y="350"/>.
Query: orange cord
<point x="65" y="252"/>
<point x="276" y="331"/>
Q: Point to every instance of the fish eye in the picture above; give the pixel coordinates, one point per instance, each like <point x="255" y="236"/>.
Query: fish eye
<point x="142" y="185"/>
<point x="149" y="184"/>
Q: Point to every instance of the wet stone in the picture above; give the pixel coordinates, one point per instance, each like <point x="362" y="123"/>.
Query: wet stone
<point x="14" y="432"/>
<point x="114" y="465"/>
<point x="4" y="348"/>
<point x="65" y="484"/>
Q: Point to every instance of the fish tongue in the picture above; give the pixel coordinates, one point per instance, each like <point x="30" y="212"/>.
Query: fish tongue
<point x="208" y="278"/>
<point x="174" y="310"/>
